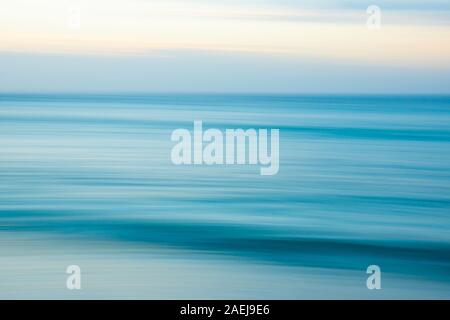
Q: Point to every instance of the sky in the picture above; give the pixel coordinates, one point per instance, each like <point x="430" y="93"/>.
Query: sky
<point x="279" y="46"/>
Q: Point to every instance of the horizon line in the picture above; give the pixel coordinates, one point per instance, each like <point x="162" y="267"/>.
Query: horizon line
<point x="149" y="93"/>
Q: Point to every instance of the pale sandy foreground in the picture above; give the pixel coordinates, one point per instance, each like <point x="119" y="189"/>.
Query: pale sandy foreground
<point x="32" y="268"/>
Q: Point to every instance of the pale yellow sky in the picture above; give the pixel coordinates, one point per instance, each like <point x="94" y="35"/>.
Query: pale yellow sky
<point x="141" y="27"/>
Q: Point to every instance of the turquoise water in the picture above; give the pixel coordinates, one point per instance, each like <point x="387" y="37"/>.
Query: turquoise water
<point x="88" y="180"/>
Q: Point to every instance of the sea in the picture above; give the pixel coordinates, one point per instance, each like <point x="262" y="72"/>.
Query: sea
<point x="87" y="180"/>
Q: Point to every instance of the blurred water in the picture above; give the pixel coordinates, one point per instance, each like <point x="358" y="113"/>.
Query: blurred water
<point x="88" y="180"/>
